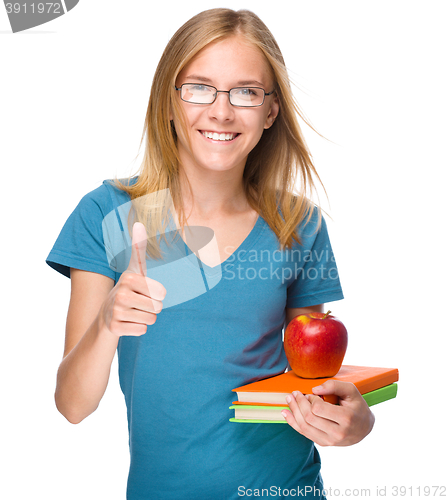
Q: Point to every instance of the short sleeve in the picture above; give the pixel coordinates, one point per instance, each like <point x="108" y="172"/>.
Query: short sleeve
<point x="316" y="278"/>
<point x="80" y="244"/>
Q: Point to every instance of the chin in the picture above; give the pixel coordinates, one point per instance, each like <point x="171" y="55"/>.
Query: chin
<point x="220" y="167"/>
<point x="206" y="162"/>
<point x="216" y="164"/>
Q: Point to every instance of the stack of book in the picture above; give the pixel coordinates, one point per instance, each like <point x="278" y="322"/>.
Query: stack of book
<point x="263" y="401"/>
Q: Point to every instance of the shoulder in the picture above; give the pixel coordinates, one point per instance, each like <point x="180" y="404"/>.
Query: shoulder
<point x="307" y="213"/>
<point x="313" y="220"/>
<point x="309" y="220"/>
<point x="313" y="225"/>
<point x="105" y="197"/>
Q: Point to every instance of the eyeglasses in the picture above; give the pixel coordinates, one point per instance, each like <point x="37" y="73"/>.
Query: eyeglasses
<point x="244" y="97"/>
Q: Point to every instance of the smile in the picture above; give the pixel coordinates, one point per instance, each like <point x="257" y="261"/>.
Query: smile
<point x="223" y="136"/>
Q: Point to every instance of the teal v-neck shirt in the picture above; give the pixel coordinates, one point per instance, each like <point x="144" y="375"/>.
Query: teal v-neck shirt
<point x="220" y="328"/>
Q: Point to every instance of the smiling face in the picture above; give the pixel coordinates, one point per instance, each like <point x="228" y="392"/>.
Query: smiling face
<point x="222" y="135"/>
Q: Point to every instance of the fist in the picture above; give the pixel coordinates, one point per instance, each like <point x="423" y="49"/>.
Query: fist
<point x="135" y="300"/>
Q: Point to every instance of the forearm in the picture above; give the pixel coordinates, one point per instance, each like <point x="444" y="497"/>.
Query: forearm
<point x="84" y="373"/>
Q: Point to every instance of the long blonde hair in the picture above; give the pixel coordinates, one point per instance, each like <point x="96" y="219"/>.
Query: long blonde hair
<point x="274" y="164"/>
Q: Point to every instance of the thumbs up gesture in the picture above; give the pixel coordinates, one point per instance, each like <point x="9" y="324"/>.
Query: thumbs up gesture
<point x="135" y="300"/>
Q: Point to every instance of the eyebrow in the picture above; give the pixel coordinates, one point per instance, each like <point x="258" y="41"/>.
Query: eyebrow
<point x="241" y="83"/>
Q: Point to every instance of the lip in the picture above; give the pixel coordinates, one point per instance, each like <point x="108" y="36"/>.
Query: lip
<point x="218" y="131"/>
<point x="236" y="134"/>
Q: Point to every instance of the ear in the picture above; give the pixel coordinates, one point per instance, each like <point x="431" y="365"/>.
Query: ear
<point x="273" y="112"/>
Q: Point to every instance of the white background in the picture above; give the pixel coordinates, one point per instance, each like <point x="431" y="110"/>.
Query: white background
<point x="371" y="77"/>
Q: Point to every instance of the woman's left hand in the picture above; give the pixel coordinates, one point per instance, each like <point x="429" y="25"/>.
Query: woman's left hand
<point x="325" y="423"/>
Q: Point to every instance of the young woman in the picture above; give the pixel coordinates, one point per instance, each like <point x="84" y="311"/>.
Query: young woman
<point x="223" y="144"/>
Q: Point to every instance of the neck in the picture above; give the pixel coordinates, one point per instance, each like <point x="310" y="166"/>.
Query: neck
<point x="215" y="194"/>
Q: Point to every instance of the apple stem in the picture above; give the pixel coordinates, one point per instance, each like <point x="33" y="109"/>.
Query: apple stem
<point x="326" y="314"/>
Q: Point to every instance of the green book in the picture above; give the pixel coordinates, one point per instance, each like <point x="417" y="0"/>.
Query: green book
<point x="272" y="414"/>
<point x="380" y="395"/>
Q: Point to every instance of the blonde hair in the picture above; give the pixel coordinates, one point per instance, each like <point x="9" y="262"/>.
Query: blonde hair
<point x="274" y="164"/>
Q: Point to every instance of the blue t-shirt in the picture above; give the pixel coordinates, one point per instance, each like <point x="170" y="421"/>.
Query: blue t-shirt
<point x="223" y="329"/>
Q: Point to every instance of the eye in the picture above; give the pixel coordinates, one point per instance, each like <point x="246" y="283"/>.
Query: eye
<point x="198" y="88"/>
<point x="247" y="92"/>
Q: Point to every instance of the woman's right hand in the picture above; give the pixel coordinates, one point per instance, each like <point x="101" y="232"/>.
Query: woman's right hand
<point x="134" y="302"/>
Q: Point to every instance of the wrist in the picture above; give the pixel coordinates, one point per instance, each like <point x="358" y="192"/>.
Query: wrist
<point x="103" y="332"/>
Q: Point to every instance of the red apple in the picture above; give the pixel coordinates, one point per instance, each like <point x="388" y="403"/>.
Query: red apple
<point x="315" y="345"/>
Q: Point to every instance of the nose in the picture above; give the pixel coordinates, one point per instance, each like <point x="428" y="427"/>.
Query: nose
<point x="221" y="109"/>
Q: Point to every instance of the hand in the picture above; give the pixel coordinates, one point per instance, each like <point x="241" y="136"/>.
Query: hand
<point x="135" y="300"/>
<point x="325" y="423"/>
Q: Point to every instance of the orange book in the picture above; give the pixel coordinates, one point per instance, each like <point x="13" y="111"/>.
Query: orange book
<point x="273" y="390"/>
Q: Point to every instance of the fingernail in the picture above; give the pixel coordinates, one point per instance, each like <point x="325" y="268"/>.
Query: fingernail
<point x="284" y="413"/>
<point x="294" y="393"/>
<point x="288" y="399"/>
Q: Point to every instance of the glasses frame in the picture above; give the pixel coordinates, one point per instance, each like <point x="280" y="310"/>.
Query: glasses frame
<point x="225" y="92"/>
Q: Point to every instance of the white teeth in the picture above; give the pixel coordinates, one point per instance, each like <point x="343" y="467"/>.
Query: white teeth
<point x="218" y="137"/>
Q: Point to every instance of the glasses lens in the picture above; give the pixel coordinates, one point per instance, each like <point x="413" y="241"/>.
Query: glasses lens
<point x="197" y="94"/>
<point x="247" y="96"/>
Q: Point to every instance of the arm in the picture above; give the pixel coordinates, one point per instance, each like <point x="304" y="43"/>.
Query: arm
<point x="292" y="312"/>
<point x="89" y="348"/>
<point x="99" y="313"/>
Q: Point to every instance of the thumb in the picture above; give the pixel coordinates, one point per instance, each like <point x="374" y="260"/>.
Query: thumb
<point x="137" y="264"/>
<point x="345" y="390"/>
